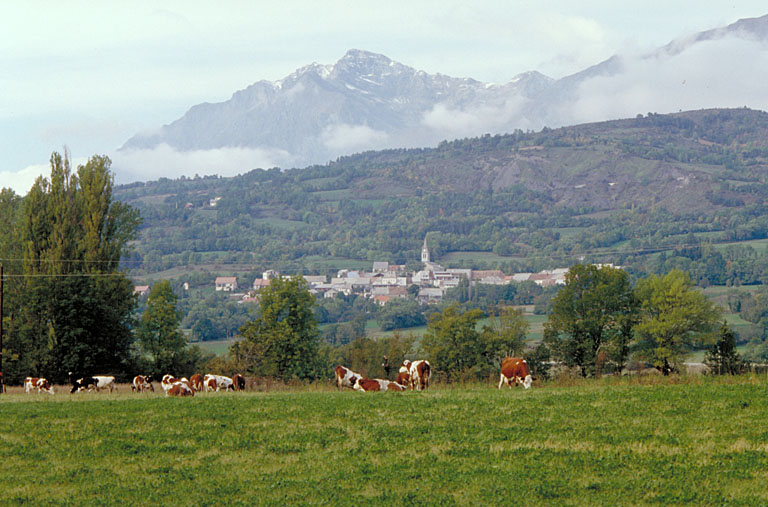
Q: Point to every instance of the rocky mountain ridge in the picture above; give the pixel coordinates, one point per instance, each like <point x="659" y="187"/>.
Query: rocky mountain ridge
<point x="367" y="101"/>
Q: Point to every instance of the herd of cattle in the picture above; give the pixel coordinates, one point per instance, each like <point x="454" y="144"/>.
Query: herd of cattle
<point x="171" y="385"/>
<point x="414" y="375"/>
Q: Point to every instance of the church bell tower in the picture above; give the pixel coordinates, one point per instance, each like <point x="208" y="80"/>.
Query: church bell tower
<point x="425" y="251"/>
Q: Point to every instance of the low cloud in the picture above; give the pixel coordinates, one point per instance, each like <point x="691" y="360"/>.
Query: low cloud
<point x="712" y="74"/>
<point x="349" y="138"/>
<point x="21" y="181"/>
<point x="132" y="165"/>
<point x="446" y="122"/>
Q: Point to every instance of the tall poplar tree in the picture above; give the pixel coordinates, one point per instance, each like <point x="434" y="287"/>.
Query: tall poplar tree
<point x="74" y="305"/>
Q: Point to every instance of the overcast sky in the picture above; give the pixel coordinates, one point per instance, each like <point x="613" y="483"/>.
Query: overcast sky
<point x="91" y="74"/>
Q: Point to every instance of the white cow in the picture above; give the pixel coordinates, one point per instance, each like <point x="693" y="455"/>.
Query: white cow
<point x="104" y="382"/>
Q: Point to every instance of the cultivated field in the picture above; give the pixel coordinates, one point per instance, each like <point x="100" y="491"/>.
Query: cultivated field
<point x="614" y="441"/>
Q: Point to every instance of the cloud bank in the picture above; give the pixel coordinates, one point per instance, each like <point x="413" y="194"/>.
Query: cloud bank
<point x="149" y="164"/>
<point x="346" y="138"/>
<point x="713" y="74"/>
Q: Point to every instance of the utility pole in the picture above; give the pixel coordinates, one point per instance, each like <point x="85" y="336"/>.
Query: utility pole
<point x="2" y="379"/>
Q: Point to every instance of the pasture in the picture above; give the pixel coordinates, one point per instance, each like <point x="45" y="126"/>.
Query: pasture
<point x="611" y="441"/>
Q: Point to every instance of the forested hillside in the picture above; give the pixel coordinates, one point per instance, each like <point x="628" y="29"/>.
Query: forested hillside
<point x="618" y="191"/>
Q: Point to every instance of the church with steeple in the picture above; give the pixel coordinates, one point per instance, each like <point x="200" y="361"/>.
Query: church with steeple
<point x="429" y="266"/>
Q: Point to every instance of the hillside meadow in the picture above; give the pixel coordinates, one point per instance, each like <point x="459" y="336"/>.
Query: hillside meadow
<point x="679" y="440"/>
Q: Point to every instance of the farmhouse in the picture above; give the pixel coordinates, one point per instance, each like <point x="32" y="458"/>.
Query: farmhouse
<point x="430" y="295"/>
<point x="260" y="283"/>
<point x="226" y="283"/>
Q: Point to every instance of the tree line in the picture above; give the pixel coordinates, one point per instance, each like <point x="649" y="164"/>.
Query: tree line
<point x="71" y="307"/>
<point x="598" y="321"/>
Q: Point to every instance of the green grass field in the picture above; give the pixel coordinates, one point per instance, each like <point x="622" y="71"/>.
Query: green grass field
<point x="672" y="441"/>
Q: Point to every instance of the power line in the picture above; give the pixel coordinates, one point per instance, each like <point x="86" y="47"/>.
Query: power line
<point x="83" y="261"/>
<point x="67" y="275"/>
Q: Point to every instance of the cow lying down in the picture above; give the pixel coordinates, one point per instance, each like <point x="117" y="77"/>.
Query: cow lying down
<point x="346" y="377"/>
<point x="377" y="384"/>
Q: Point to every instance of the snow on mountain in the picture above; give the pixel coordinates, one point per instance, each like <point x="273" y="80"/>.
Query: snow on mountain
<point x="368" y="101"/>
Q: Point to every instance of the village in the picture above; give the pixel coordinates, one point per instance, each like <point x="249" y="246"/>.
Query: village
<point x="388" y="281"/>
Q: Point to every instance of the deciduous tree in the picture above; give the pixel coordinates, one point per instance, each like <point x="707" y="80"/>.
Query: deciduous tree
<point x="592" y="312"/>
<point x="158" y="331"/>
<point x="673" y="317"/>
<point x="282" y="341"/>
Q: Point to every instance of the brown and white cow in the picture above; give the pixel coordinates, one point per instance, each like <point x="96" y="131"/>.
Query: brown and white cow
<point x="168" y="381"/>
<point x="179" y="389"/>
<point x="196" y="382"/>
<point x="403" y="377"/>
<point x="217" y="383"/>
<point x="238" y="381"/>
<point x="142" y="383"/>
<point x="376" y="384"/>
<point x="39" y="383"/>
<point x="346" y="377"/>
<point x="420" y="372"/>
<point x="515" y="369"/>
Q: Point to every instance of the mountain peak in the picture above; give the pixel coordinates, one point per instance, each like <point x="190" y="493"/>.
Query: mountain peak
<point x="360" y="54"/>
<point x="366" y="100"/>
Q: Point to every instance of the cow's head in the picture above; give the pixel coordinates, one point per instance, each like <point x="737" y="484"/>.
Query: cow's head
<point x="527" y="381"/>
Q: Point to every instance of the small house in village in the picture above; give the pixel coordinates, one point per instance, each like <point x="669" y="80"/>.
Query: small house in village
<point x="226" y="283"/>
<point x="260" y="283"/>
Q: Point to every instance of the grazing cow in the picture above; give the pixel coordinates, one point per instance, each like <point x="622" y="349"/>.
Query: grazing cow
<point x="169" y="380"/>
<point x="420" y="372"/>
<point x="83" y="384"/>
<point x="179" y="388"/>
<point x="377" y="384"/>
<point x="39" y="383"/>
<point x="403" y="377"/>
<point x="346" y="377"/>
<point x="104" y="382"/>
<point x="196" y="382"/>
<point x="142" y="383"/>
<point x="515" y="369"/>
<point x="238" y="381"/>
<point x="217" y="383"/>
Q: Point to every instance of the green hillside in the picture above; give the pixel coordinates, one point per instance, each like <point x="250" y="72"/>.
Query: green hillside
<point x="618" y="191"/>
